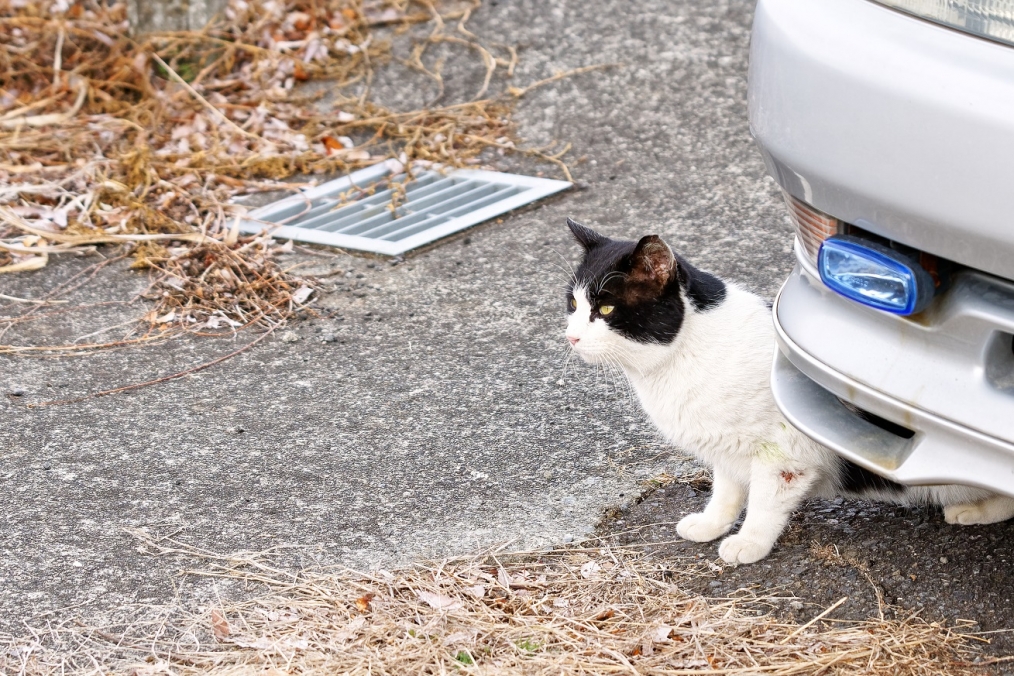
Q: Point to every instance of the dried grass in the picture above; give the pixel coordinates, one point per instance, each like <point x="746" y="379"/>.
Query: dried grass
<point x="583" y="610"/>
<point x="107" y="139"/>
<point x="699" y="479"/>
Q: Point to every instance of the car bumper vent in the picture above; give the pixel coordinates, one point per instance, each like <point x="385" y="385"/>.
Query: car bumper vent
<point x="384" y="210"/>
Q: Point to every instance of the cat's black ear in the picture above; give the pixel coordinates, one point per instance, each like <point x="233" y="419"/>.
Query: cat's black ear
<point x="652" y="261"/>
<point x="586" y="237"/>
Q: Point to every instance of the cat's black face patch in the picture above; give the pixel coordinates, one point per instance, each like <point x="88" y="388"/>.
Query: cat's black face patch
<point x="643" y="283"/>
<point x="639" y="316"/>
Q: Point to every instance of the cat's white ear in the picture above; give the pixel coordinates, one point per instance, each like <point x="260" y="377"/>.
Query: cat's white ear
<point x="586" y="237"/>
<point x="653" y="260"/>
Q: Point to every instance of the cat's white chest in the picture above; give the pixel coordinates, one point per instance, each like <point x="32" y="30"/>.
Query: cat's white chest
<point x="710" y="396"/>
<point x="690" y="411"/>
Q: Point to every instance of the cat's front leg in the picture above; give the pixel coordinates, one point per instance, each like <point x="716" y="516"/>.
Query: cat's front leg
<point x="727" y="498"/>
<point x="775" y="491"/>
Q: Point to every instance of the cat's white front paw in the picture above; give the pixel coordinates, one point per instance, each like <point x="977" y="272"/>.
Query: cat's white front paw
<point x="741" y="548"/>
<point x="991" y="510"/>
<point x="966" y="515"/>
<point x="699" y="528"/>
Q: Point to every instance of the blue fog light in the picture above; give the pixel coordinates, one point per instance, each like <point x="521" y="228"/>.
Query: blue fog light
<point x="874" y="275"/>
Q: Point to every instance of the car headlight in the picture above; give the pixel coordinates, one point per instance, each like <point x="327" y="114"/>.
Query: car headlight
<point x="874" y="275"/>
<point x="992" y="19"/>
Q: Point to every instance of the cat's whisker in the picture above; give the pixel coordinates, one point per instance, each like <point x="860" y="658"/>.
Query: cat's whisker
<point x="606" y="365"/>
<point x="566" y="362"/>
<point x="601" y="376"/>
<point x="569" y="267"/>
<point x="615" y="274"/>
<point x="618" y="375"/>
<point x="609" y="378"/>
<point x="569" y="277"/>
<point x="609" y="371"/>
<point x="567" y="282"/>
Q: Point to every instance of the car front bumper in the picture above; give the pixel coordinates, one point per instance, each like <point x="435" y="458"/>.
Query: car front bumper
<point x="946" y="374"/>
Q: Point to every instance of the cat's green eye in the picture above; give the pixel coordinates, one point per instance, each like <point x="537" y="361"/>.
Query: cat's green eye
<point x="605" y="309"/>
<point x="573" y="303"/>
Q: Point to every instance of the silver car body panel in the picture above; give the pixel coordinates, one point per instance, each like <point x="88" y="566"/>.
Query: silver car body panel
<point x="870" y="114"/>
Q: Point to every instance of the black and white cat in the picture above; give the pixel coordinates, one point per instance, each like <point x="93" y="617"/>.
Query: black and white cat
<point x="697" y="351"/>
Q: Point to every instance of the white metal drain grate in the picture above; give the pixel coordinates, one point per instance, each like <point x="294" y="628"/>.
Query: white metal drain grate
<point x="356" y="212"/>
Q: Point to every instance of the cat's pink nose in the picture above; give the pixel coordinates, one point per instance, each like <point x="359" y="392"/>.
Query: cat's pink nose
<point x="573" y="340"/>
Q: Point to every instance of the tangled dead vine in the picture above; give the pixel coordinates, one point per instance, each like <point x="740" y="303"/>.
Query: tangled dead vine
<point x="149" y="142"/>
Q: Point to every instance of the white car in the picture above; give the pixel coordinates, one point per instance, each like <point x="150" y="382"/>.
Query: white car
<point x="890" y="127"/>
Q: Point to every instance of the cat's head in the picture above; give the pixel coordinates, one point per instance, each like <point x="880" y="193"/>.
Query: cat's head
<point x="627" y="299"/>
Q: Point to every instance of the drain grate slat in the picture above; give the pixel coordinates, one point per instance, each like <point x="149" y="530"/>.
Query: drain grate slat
<point x="387" y="215"/>
<point x="416" y="223"/>
<point x="303" y="217"/>
<point x="465" y="208"/>
<point x="475" y="198"/>
<point x="347" y="219"/>
<point x="459" y="202"/>
<point x="336" y="211"/>
<point x="384" y="210"/>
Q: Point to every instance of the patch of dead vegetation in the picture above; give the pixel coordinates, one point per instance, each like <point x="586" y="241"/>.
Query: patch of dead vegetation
<point x="699" y="479"/>
<point x="148" y="142"/>
<point x="578" y="610"/>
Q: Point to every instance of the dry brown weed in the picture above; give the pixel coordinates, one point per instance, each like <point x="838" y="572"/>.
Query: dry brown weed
<point x="109" y="139"/>
<point x="582" y="610"/>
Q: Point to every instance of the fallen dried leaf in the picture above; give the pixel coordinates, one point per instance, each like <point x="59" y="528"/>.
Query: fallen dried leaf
<point x="503" y="578"/>
<point x="363" y="602"/>
<point x="332" y="144"/>
<point x="660" y="633"/>
<point x="439" y="601"/>
<point x="219" y="625"/>
<point x="351" y="630"/>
